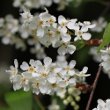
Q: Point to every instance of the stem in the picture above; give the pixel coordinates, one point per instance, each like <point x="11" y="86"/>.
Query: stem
<point x="93" y="88"/>
<point x="39" y="103"/>
<point x="94" y="42"/>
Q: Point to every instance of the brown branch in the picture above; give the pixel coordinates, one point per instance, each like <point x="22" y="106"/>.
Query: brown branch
<point x="94" y="42"/>
<point x="93" y="88"/>
<point x="39" y="103"/>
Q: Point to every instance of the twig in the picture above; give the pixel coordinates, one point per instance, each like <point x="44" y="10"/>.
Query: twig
<point x="94" y="87"/>
<point x="39" y="103"/>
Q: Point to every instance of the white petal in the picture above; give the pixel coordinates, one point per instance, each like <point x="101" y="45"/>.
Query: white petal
<point x="57" y="69"/>
<point x="71" y="49"/>
<point x="6" y="40"/>
<point x="27" y="75"/>
<point x="86" y="36"/>
<point x="101" y="102"/>
<point x="38" y="63"/>
<point x="71" y="72"/>
<point x="72" y="81"/>
<point x="62" y="50"/>
<point x="64" y="30"/>
<point x="66" y="38"/>
<point x="24" y="66"/>
<point x="43" y="89"/>
<point x="32" y="62"/>
<point x="47" y="61"/>
<point x="35" y="75"/>
<point x="62" y="84"/>
<point x="40" y="33"/>
<point x="72" y="64"/>
<point x="52" y="79"/>
<point x="77" y="38"/>
<point x="16" y="63"/>
<point x="26" y="88"/>
<point x="84" y="29"/>
<point x="85" y="69"/>
<point x="61" y="19"/>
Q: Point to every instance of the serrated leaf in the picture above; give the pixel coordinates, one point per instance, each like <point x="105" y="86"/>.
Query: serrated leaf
<point x="19" y="100"/>
<point x="106" y="37"/>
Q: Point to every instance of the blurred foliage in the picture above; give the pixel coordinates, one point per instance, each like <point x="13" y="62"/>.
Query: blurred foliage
<point x="106" y="37"/>
<point x="19" y="100"/>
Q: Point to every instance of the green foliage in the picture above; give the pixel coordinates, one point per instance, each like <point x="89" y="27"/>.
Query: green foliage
<point x="19" y="100"/>
<point x="106" y="37"/>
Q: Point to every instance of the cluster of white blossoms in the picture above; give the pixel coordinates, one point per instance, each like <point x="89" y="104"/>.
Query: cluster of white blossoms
<point x="103" y="57"/>
<point x="40" y="3"/>
<point x="103" y="105"/>
<point x="101" y="23"/>
<point x="9" y="28"/>
<point x="45" y="29"/>
<point x="47" y="77"/>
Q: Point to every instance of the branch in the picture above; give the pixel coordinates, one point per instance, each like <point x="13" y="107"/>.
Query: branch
<point x="93" y="88"/>
<point x="94" y="42"/>
<point x="39" y="103"/>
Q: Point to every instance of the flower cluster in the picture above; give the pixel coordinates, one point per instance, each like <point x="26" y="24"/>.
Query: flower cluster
<point x="9" y="28"/>
<point x="47" y="77"/>
<point x="103" y="105"/>
<point x="47" y="30"/>
<point x="40" y="3"/>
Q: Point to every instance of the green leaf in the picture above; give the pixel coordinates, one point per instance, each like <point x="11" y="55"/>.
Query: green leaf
<point x="106" y="37"/>
<point x="19" y="100"/>
<point x="3" y="108"/>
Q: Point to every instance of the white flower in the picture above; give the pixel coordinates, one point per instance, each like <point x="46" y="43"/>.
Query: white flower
<point x="26" y="16"/>
<point x="54" y="106"/>
<point x="21" y="82"/>
<point x="103" y="105"/>
<point x="81" y="31"/>
<point x="66" y="48"/>
<point x="100" y="24"/>
<point x="87" y="25"/>
<point x="9" y="27"/>
<point x="83" y="72"/>
<point x="30" y="69"/>
<point x="68" y="69"/>
<point x="72" y="24"/>
<point x="63" y="23"/>
<point x="13" y="70"/>
<point x="81" y="34"/>
<point x="96" y="54"/>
